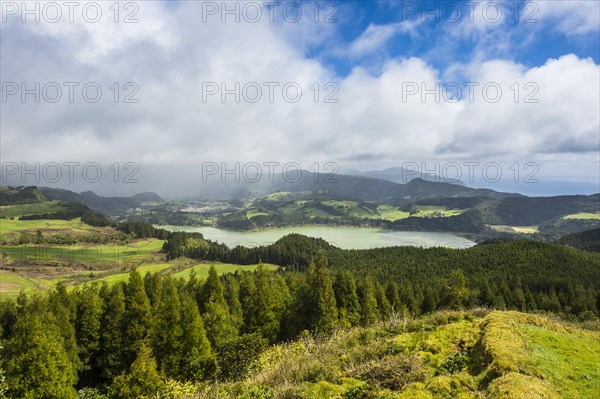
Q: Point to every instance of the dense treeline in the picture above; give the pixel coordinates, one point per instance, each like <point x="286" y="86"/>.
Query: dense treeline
<point x="71" y="211"/>
<point x="518" y="274"/>
<point x="127" y="338"/>
<point x="588" y="240"/>
<point x="130" y="339"/>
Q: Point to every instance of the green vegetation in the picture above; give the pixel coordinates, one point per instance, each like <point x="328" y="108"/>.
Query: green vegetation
<point x="11" y="230"/>
<point x="171" y="347"/>
<point x="201" y="270"/>
<point x="10" y="211"/>
<point x="584" y="215"/>
<point x="588" y="240"/>
<point x="175" y="314"/>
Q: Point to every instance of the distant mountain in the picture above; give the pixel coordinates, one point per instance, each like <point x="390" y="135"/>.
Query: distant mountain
<point x="147" y="197"/>
<point x="364" y="188"/>
<point x="20" y="195"/>
<point x="401" y="175"/>
<point x="103" y="205"/>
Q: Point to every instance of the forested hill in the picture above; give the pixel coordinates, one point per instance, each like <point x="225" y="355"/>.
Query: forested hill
<point x="365" y="188"/>
<point x="588" y="240"/>
<point x="104" y="205"/>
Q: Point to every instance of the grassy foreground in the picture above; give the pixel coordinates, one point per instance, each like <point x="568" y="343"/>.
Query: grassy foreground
<point x="470" y="354"/>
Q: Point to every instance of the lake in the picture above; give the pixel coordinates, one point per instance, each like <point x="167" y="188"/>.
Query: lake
<point x="341" y="236"/>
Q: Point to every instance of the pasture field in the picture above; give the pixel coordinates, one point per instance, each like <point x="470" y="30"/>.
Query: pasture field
<point x="39" y="267"/>
<point x="11" y="283"/>
<point x="430" y="210"/>
<point x="252" y="212"/>
<point x="201" y="269"/>
<point x="10" y="229"/>
<point x="350" y="208"/>
<point x="94" y="255"/>
<point x="514" y="229"/>
<point x="123" y="277"/>
<point x="391" y="213"/>
<point x="8" y="211"/>
<point x="583" y="215"/>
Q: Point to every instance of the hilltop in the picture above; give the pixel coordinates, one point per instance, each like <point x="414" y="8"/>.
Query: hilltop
<point x="459" y="354"/>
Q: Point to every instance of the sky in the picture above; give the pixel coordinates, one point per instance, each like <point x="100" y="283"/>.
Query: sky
<point x="162" y="95"/>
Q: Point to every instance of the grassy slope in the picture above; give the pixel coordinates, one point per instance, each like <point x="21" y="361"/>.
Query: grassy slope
<point x="10" y="229"/>
<point x="584" y="215"/>
<point x="201" y="270"/>
<point x="32" y="267"/>
<point x="445" y="354"/>
<point x="8" y="211"/>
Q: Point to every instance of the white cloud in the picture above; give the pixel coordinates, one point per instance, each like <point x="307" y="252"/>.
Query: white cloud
<point x="171" y="127"/>
<point x="375" y="37"/>
<point x="571" y="17"/>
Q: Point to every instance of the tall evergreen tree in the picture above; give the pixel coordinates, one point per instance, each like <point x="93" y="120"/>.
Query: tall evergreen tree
<point x="384" y="306"/>
<point x="138" y="316"/>
<point x="369" y="313"/>
<point x="142" y="380"/>
<point x="429" y="302"/>
<point x="347" y="299"/>
<point x="324" y="309"/>
<point x="197" y="359"/>
<point x="391" y="292"/>
<point x="63" y="307"/>
<point x="260" y="315"/>
<point x="37" y="362"/>
<point x="457" y="291"/>
<point x="217" y="320"/>
<point x="232" y="296"/>
<point x="112" y="337"/>
<point x="166" y="334"/>
<point x="87" y="327"/>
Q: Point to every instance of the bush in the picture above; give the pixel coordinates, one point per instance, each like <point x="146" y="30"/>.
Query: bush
<point x="237" y="354"/>
<point x="393" y="372"/>
<point x="455" y="363"/>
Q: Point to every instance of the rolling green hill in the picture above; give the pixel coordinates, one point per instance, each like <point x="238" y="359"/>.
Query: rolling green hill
<point x="103" y="205"/>
<point x="502" y="355"/>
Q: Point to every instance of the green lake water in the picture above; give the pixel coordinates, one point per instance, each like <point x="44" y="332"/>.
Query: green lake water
<point x="343" y="237"/>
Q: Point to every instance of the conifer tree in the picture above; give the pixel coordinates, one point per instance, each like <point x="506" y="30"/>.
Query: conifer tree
<point x="324" y="309"/>
<point x="166" y="334"/>
<point x="347" y="299"/>
<point x="37" y="363"/>
<point x="261" y="311"/>
<point x="384" y="306"/>
<point x="142" y="380"/>
<point x="87" y="327"/>
<point x="138" y="316"/>
<point x="391" y="292"/>
<point x="429" y="302"/>
<point x="369" y="312"/>
<point x="232" y="296"/>
<point x="112" y="338"/>
<point x="457" y="291"/>
<point x="197" y="359"/>
<point x="62" y="306"/>
<point x="217" y="320"/>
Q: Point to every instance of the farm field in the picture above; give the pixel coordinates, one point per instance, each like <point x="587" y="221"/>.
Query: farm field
<point x="515" y="229"/>
<point x="201" y="270"/>
<point x="10" y="229"/>
<point x="431" y="211"/>
<point x="583" y="215"/>
<point x="9" y="211"/>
